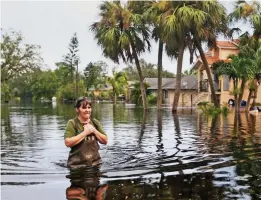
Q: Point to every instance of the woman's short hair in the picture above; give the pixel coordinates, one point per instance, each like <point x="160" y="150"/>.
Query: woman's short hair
<point x="82" y="102"/>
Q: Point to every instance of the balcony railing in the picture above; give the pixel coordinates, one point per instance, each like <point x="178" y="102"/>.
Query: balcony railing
<point x="203" y="85"/>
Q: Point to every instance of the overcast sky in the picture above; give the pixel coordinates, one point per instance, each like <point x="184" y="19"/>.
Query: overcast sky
<point x="51" y="25"/>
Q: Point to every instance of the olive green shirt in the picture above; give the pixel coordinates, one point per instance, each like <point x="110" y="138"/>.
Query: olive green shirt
<point x="70" y="128"/>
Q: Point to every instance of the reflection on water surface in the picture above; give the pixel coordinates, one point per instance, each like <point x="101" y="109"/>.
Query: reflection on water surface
<point x="148" y="156"/>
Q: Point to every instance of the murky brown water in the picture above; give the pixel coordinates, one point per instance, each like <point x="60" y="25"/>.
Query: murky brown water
<point x="153" y="156"/>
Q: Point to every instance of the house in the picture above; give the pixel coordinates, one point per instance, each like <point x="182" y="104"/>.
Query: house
<point x="188" y="92"/>
<point x="223" y="86"/>
<point x="100" y="90"/>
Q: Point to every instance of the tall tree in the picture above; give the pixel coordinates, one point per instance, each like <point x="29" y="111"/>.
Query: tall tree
<point x="250" y="12"/>
<point x="155" y="17"/>
<point x="63" y="74"/>
<point x="239" y="70"/>
<point x="215" y="22"/>
<point x="72" y="60"/>
<point x="18" y="58"/>
<point x="44" y="84"/>
<point x="178" y="17"/>
<point x="94" y="74"/>
<point x="122" y="34"/>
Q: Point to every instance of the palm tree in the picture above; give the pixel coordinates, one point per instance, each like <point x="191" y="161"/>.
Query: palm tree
<point x="118" y="83"/>
<point x="248" y="11"/>
<point x="136" y="96"/>
<point x="241" y="68"/>
<point x="257" y="79"/>
<point x="154" y="16"/>
<point x="178" y="17"/>
<point x="251" y="12"/>
<point x="215" y="22"/>
<point x="122" y="34"/>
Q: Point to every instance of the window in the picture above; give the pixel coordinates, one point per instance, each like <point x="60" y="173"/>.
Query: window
<point x="225" y="83"/>
<point x="166" y="94"/>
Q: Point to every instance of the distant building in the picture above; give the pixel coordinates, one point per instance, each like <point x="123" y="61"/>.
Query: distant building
<point x="222" y="84"/>
<point x="188" y="92"/>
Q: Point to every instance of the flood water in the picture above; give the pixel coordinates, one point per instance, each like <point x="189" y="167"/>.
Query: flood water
<point x="148" y="156"/>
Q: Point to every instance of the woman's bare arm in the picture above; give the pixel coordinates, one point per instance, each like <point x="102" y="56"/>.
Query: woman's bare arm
<point x="72" y="141"/>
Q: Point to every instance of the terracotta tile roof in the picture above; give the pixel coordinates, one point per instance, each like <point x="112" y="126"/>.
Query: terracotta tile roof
<point x="211" y="59"/>
<point x="228" y="44"/>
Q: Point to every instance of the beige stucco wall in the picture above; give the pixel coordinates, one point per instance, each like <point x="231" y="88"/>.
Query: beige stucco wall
<point x="224" y="53"/>
<point x="185" y="98"/>
<point x="258" y="99"/>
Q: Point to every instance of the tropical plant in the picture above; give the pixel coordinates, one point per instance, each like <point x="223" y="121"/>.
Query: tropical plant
<point x="239" y="69"/>
<point x="214" y="23"/>
<point x="154" y="16"/>
<point x="181" y="21"/>
<point x="118" y="82"/>
<point x="136" y="96"/>
<point x="122" y="34"/>
<point x="250" y="12"/>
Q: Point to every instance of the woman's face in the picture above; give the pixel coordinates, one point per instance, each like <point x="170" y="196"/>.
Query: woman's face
<point x="84" y="111"/>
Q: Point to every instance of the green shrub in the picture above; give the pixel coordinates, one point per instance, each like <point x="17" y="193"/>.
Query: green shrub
<point x="151" y="99"/>
<point x="203" y="103"/>
<point x="5" y="92"/>
<point x="210" y="109"/>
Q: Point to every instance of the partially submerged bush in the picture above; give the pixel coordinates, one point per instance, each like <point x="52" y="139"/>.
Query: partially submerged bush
<point x="152" y="99"/>
<point x="210" y="109"/>
<point x="203" y="103"/>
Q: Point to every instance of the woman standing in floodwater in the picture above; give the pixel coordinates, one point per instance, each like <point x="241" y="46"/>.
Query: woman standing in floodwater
<point x="82" y="134"/>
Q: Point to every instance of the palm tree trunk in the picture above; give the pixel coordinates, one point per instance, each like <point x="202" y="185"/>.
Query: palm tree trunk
<point x="159" y="96"/>
<point x="235" y="95"/>
<point x="178" y="77"/>
<point x="137" y="62"/>
<point x="240" y="96"/>
<point x="248" y="100"/>
<point x="254" y="99"/>
<point x="210" y="79"/>
<point x="115" y="98"/>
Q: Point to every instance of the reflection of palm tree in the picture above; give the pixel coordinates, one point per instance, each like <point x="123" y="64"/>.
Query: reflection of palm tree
<point x="253" y="123"/>
<point x="160" y="147"/>
<point x="159" y="118"/>
<point x="177" y="128"/>
<point x="247" y="162"/>
<point x="213" y="124"/>
<point x="143" y="126"/>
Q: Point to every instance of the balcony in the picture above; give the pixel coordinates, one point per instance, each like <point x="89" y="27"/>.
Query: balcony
<point x="203" y="85"/>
